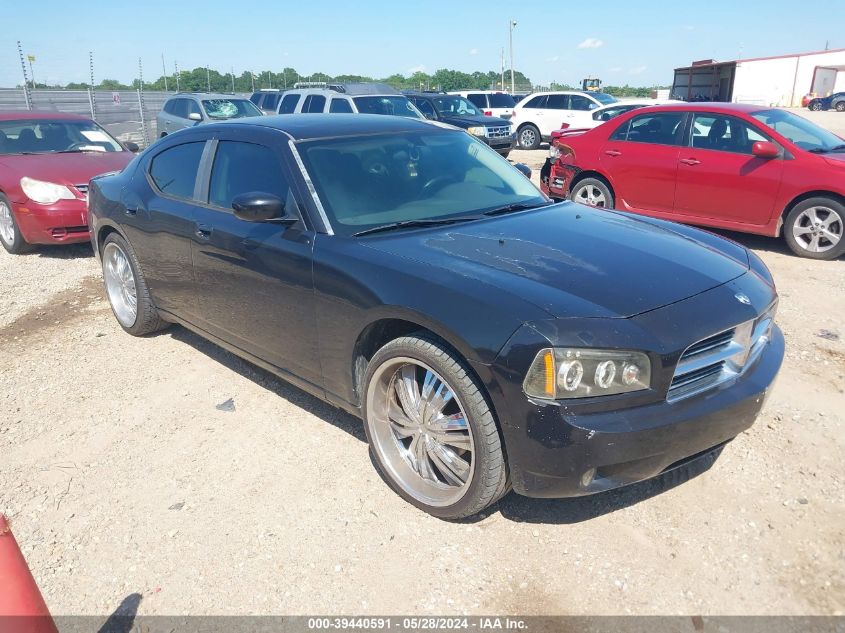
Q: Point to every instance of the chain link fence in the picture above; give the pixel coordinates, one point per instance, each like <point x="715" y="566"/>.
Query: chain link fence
<point x="129" y="115"/>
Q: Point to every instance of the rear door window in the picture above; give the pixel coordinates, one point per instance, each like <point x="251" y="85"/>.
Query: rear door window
<point x="501" y="100"/>
<point x="558" y="102"/>
<point x="314" y="103"/>
<point x="537" y="102"/>
<point x="289" y="102"/>
<point x="174" y="171"/>
<point x="478" y="99"/>
<point x="661" y="128"/>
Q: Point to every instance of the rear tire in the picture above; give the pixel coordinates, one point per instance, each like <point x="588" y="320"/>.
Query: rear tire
<point x="815" y="106"/>
<point x="592" y="192"/>
<point x="840" y="107"/>
<point x="431" y="431"/>
<point x="815" y="228"/>
<point x="529" y="137"/>
<point x="10" y="233"/>
<point x="127" y="289"/>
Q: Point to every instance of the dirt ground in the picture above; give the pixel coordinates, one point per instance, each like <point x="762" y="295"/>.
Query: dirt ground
<point x="121" y="476"/>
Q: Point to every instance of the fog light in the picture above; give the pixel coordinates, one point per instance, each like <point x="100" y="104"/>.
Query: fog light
<point x="587" y="477"/>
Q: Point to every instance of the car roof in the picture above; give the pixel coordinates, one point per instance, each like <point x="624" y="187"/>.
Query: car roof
<point x="309" y="126"/>
<point x="710" y="106"/>
<point x="207" y="95"/>
<point x="17" y="115"/>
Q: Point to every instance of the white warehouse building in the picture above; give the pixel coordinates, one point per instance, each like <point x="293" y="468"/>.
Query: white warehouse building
<point x="769" y="81"/>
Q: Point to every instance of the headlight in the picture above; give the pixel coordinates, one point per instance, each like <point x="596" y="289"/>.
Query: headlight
<point x="585" y="373"/>
<point x="554" y="151"/>
<point x="45" y="192"/>
<point x="477" y="131"/>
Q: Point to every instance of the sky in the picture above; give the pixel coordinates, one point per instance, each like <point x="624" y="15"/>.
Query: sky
<point x="638" y="43"/>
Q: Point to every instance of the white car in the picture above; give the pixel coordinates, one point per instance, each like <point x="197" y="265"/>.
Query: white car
<point x="540" y="113"/>
<point x="608" y="112"/>
<point x="490" y="102"/>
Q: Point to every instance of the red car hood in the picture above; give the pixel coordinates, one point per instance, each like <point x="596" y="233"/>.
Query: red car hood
<point x="64" y="169"/>
<point x="836" y="159"/>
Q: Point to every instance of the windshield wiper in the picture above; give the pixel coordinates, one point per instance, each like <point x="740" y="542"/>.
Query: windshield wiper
<point x="825" y="150"/>
<point x="512" y="208"/>
<point x="415" y="223"/>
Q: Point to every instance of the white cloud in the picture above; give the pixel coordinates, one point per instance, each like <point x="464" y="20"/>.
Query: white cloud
<point x="638" y="70"/>
<point x="416" y="69"/>
<point x="591" y="42"/>
<point x="553" y="58"/>
<point x="473" y="51"/>
<point x="615" y="69"/>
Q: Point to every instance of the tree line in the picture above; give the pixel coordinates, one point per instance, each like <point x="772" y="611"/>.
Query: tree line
<point x="201" y="79"/>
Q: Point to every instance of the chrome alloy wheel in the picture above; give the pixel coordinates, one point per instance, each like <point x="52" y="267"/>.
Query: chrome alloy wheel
<point x="7" y="224"/>
<point x="817" y="229"/>
<point x="120" y="284"/>
<point x="420" y="431"/>
<point x="590" y="195"/>
<point x="527" y="137"/>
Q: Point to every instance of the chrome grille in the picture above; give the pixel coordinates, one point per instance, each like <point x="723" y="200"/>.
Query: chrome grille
<point x="720" y="357"/>
<point x="499" y="132"/>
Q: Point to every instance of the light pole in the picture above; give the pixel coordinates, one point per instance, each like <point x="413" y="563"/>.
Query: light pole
<point x="512" y="24"/>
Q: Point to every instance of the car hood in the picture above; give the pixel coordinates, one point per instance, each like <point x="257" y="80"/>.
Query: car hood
<point x="837" y="159"/>
<point x="469" y="120"/>
<point x="574" y="261"/>
<point x="67" y="169"/>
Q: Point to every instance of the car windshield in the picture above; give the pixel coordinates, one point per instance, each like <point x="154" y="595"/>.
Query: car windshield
<point x="431" y="176"/>
<point x="52" y="136"/>
<point x="455" y="106"/>
<point x="395" y="105"/>
<point x="803" y="133"/>
<point x="501" y="100"/>
<point x="229" y="108"/>
<point x="603" y="97"/>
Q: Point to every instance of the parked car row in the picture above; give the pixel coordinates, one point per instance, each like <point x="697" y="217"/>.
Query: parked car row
<point x="835" y="101"/>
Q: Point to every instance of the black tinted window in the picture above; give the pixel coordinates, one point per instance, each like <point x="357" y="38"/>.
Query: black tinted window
<point x="579" y="102"/>
<point x="661" y="128"/>
<point x="536" y="102"/>
<point x="425" y="107"/>
<point x="558" y="102"/>
<point x="174" y="171"/>
<point x="271" y="100"/>
<point x="314" y="103"/>
<point x="478" y="99"/>
<point x="501" y="100"/>
<point x="179" y="107"/>
<point x="244" y="167"/>
<point x="289" y="103"/>
<point x="255" y="98"/>
<point x="340" y="105"/>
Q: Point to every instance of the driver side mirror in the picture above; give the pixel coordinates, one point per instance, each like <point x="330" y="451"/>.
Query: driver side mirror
<point x="131" y="147"/>
<point x="195" y="116"/>
<point x="765" y="149"/>
<point x="256" y="206"/>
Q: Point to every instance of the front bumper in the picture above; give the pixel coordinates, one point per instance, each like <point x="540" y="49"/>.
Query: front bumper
<point x="64" y="222"/>
<point x="556" y="178"/>
<point x="631" y="445"/>
<point x="500" y="144"/>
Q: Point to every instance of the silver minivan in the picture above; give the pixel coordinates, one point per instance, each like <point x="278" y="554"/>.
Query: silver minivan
<point x="360" y="98"/>
<point x="186" y="109"/>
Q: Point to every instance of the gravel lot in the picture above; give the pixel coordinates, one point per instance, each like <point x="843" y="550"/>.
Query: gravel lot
<point x="121" y="476"/>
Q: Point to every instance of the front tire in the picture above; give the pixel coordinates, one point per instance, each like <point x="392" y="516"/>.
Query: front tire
<point x="431" y="432"/>
<point x="529" y="137"/>
<point x="10" y="234"/>
<point x="840" y="107"/>
<point x="127" y="289"/>
<point x="593" y="193"/>
<point x="815" y="106"/>
<point x="814" y="228"/>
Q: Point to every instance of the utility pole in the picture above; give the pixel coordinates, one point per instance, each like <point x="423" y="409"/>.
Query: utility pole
<point x="91" y="67"/>
<point x="512" y="24"/>
<point x="176" y="71"/>
<point x="140" y="75"/>
<point x="502" y="85"/>
<point x="252" y="76"/>
<point x="208" y="77"/>
<point x="26" y="94"/>
<point x="164" y="72"/>
<point x="91" y="101"/>
<point x="270" y="79"/>
<point x="233" y="80"/>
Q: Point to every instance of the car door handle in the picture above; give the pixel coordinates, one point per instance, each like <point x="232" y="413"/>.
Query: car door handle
<point x="690" y="161"/>
<point x="130" y="211"/>
<point x="203" y="231"/>
<point x="613" y="152"/>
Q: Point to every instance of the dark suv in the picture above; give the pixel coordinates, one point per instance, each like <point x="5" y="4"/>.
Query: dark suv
<point x="460" y="112"/>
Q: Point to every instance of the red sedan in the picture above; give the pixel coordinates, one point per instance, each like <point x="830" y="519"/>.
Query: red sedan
<point x="730" y="166"/>
<point x="46" y="161"/>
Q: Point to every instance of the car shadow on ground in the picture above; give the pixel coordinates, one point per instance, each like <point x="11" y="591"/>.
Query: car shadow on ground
<point x="68" y="251"/>
<point x="513" y="507"/>
<point x="326" y="412"/>
<point x="757" y="242"/>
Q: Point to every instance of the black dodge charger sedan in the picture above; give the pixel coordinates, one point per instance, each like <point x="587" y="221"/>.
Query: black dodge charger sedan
<point x="404" y="271"/>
